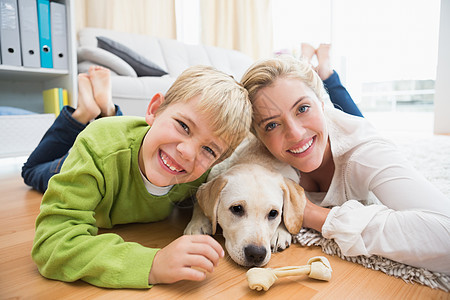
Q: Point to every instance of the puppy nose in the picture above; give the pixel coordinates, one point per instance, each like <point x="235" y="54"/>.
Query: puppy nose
<point x="255" y="255"/>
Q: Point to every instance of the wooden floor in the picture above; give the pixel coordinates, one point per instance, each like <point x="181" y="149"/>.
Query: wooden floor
<point x="19" y="277"/>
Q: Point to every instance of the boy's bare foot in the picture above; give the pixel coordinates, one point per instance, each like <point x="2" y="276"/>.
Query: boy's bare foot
<point x="308" y="52"/>
<point x="101" y="85"/>
<point x="323" y="57"/>
<point x="87" y="109"/>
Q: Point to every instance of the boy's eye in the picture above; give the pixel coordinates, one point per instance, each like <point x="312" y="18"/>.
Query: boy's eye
<point x="183" y="125"/>
<point x="270" y="126"/>
<point x="211" y="151"/>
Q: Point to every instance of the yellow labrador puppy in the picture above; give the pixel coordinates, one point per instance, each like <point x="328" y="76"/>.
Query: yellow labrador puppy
<point x="256" y="201"/>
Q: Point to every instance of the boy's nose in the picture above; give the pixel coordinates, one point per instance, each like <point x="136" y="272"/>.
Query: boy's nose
<point x="187" y="150"/>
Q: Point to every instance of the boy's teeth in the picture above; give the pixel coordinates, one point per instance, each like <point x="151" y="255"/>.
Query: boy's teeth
<point x="168" y="165"/>
<point x="303" y="148"/>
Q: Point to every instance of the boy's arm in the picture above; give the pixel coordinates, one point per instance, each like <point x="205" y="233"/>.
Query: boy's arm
<point x="187" y="258"/>
<point x="66" y="246"/>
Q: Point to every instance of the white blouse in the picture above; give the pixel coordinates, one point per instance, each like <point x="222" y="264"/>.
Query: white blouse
<point x="380" y="204"/>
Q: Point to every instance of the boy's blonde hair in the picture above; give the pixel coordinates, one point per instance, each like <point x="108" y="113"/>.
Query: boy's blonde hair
<point x="265" y="72"/>
<point x="223" y="100"/>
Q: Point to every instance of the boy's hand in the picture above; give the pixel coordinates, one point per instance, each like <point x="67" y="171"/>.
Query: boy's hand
<point x="186" y="258"/>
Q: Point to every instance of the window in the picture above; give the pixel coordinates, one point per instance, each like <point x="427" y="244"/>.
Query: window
<point x="188" y="21"/>
<point x="385" y="51"/>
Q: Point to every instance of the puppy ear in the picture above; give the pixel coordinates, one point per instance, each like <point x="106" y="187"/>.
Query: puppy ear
<point x="294" y="202"/>
<point x="208" y="198"/>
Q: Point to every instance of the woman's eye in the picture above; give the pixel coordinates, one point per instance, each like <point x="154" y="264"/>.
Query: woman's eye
<point x="303" y="108"/>
<point x="270" y="126"/>
<point x="210" y="151"/>
<point x="237" y="210"/>
<point x="183" y="125"/>
<point x="273" y="214"/>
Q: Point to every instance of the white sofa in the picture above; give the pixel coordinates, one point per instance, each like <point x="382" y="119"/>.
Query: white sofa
<point x="133" y="93"/>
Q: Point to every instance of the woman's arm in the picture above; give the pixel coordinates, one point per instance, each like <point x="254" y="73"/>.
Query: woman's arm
<point x="412" y="223"/>
<point x="314" y="216"/>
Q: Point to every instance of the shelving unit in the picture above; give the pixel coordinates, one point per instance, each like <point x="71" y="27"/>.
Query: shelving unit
<point x="22" y="87"/>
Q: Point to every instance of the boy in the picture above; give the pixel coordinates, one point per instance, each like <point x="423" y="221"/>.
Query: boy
<point x="126" y="170"/>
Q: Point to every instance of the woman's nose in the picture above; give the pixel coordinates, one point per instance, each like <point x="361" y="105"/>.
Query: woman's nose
<point x="294" y="131"/>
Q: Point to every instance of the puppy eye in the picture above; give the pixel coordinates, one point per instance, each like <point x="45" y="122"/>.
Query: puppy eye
<point x="273" y="214"/>
<point x="237" y="210"/>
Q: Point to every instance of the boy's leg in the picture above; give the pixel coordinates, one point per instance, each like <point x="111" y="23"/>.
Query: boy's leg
<point x="46" y="160"/>
<point x="338" y="94"/>
<point x="101" y="86"/>
<point x="87" y="108"/>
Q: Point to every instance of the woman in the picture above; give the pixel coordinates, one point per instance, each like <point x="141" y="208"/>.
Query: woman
<point x="361" y="191"/>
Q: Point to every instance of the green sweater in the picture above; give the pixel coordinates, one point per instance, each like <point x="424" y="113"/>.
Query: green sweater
<point x="100" y="186"/>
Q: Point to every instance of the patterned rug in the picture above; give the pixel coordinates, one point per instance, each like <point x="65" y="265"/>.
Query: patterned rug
<point x="309" y="237"/>
<point x="429" y="154"/>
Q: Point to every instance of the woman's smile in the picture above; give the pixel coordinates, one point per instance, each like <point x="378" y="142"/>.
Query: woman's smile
<point x="302" y="148"/>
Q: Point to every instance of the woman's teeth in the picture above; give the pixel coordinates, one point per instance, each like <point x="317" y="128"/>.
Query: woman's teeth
<point x="303" y="148"/>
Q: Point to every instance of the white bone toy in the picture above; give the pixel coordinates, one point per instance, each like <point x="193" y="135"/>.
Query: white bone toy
<point x="318" y="267"/>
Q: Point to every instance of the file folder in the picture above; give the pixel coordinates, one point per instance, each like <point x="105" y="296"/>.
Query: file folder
<point x="45" y="40"/>
<point x="59" y="35"/>
<point x="60" y="98"/>
<point x="9" y="33"/>
<point x="51" y="101"/>
<point x="29" y="33"/>
<point x="65" y="99"/>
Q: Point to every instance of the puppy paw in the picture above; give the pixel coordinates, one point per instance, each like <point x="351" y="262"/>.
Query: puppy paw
<point x="281" y="239"/>
<point x="199" y="226"/>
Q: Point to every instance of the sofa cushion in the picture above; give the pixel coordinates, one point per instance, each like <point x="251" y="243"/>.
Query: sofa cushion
<point x="180" y="56"/>
<point x="84" y="66"/>
<point x="134" y="94"/>
<point x="144" y="45"/>
<point x="88" y="56"/>
<point x="229" y="61"/>
<point x="142" y="65"/>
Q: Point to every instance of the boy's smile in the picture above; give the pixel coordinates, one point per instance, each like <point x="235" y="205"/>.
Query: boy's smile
<point x="168" y="162"/>
<point x="180" y="145"/>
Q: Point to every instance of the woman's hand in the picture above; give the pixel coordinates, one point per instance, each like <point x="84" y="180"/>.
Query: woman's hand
<point x="187" y="258"/>
<point x="314" y="216"/>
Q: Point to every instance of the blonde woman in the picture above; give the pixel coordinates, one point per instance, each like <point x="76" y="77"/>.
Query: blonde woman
<point x="361" y="190"/>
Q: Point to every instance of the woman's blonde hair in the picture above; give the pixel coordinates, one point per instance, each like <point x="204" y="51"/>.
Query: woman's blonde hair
<point x="265" y="72"/>
<point x="223" y="100"/>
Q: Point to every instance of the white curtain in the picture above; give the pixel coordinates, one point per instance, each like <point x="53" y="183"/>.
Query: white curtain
<point x="244" y="25"/>
<point x="151" y="17"/>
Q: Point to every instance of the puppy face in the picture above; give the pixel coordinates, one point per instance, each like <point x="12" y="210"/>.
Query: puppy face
<point x="249" y="212"/>
<point x="247" y="202"/>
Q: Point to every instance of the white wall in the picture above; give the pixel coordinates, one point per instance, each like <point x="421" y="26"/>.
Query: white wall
<point x="442" y="85"/>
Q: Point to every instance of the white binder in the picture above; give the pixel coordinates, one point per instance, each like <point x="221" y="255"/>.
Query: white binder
<point x="29" y="33"/>
<point x="59" y="35"/>
<point x="9" y="33"/>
